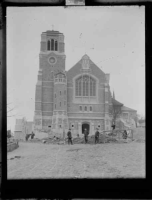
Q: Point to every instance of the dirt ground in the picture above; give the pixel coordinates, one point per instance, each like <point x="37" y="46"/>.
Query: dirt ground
<point x="107" y="160"/>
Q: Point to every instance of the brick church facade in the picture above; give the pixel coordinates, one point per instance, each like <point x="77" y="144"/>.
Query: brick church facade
<point x="78" y="98"/>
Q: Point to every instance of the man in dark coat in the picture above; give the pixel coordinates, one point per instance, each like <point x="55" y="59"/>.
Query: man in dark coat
<point x="97" y="136"/>
<point x="69" y="134"/>
<point x="86" y="133"/>
<point x="113" y="126"/>
<point x="32" y="135"/>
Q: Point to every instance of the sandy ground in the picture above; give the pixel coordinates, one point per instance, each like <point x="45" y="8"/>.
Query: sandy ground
<point x="108" y="160"/>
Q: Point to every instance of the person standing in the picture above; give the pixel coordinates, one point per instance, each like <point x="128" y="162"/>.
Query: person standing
<point x="69" y="134"/>
<point x="113" y="127"/>
<point x="96" y="136"/>
<point x="125" y="134"/>
<point x="32" y="135"/>
<point x="86" y="133"/>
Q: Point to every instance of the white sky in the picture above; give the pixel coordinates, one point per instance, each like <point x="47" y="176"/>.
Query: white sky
<point x="113" y="37"/>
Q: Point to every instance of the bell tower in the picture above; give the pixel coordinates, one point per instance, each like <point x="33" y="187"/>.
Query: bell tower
<point x="52" y="50"/>
<point x="51" y="60"/>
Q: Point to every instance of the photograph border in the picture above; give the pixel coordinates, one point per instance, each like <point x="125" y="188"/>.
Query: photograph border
<point x="69" y="188"/>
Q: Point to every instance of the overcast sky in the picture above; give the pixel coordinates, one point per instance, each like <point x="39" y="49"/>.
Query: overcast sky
<point x="113" y="38"/>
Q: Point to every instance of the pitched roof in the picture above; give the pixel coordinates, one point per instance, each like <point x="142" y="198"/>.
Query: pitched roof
<point x="124" y="108"/>
<point x="116" y="103"/>
<point x="95" y="70"/>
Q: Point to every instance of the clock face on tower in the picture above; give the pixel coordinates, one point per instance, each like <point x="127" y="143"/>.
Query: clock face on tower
<point x="52" y="60"/>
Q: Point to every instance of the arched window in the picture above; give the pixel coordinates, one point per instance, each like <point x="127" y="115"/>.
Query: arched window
<point x="91" y="92"/>
<point x="48" y="45"/>
<point x="56" y="45"/>
<point x="52" y="45"/>
<point x="80" y="108"/>
<point x="79" y="86"/>
<point x="85" y="86"/>
<point x="55" y="106"/>
<point x="90" y="108"/>
<point x="60" y="104"/>
<point x="85" y="108"/>
<point x="92" y="87"/>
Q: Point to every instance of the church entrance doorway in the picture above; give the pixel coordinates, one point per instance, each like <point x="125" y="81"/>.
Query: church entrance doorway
<point x="85" y="125"/>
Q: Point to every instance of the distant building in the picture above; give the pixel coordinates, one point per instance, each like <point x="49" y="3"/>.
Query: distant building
<point x="22" y="128"/>
<point x="78" y="98"/>
<point x="128" y="115"/>
<point x="141" y="123"/>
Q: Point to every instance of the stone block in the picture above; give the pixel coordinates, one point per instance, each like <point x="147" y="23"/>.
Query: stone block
<point x="12" y="146"/>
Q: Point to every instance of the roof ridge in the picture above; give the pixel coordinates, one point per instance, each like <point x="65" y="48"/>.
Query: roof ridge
<point x="129" y="108"/>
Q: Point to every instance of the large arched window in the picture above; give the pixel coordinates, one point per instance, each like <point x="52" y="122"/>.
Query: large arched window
<point x="52" y="45"/>
<point x="85" y="86"/>
<point x="48" y="45"/>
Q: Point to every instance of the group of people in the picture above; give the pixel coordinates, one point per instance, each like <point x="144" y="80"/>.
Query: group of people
<point x="86" y="133"/>
<point x="28" y="136"/>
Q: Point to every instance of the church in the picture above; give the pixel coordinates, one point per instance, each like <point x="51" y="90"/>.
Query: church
<point x="78" y="98"/>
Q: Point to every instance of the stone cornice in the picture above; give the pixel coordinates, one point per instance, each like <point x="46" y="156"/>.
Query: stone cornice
<point x="52" y="53"/>
<point x="91" y="118"/>
<point x="87" y="104"/>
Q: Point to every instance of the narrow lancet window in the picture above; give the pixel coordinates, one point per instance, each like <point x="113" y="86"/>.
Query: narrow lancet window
<point x="52" y="45"/>
<point x="48" y="45"/>
<point x="56" y="45"/>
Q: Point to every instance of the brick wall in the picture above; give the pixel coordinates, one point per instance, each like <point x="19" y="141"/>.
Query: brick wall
<point x="38" y="93"/>
<point x="47" y="94"/>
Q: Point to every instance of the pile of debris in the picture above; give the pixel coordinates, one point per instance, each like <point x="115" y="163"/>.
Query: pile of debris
<point x="140" y="140"/>
<point x="103" y="138"/>
<point x="34" y="140"/>
<point x="79" y="140"/>
<point x="53" y="140"/>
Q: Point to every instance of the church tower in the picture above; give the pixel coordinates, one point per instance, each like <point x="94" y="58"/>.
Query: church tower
<point x="51" y="61"/>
